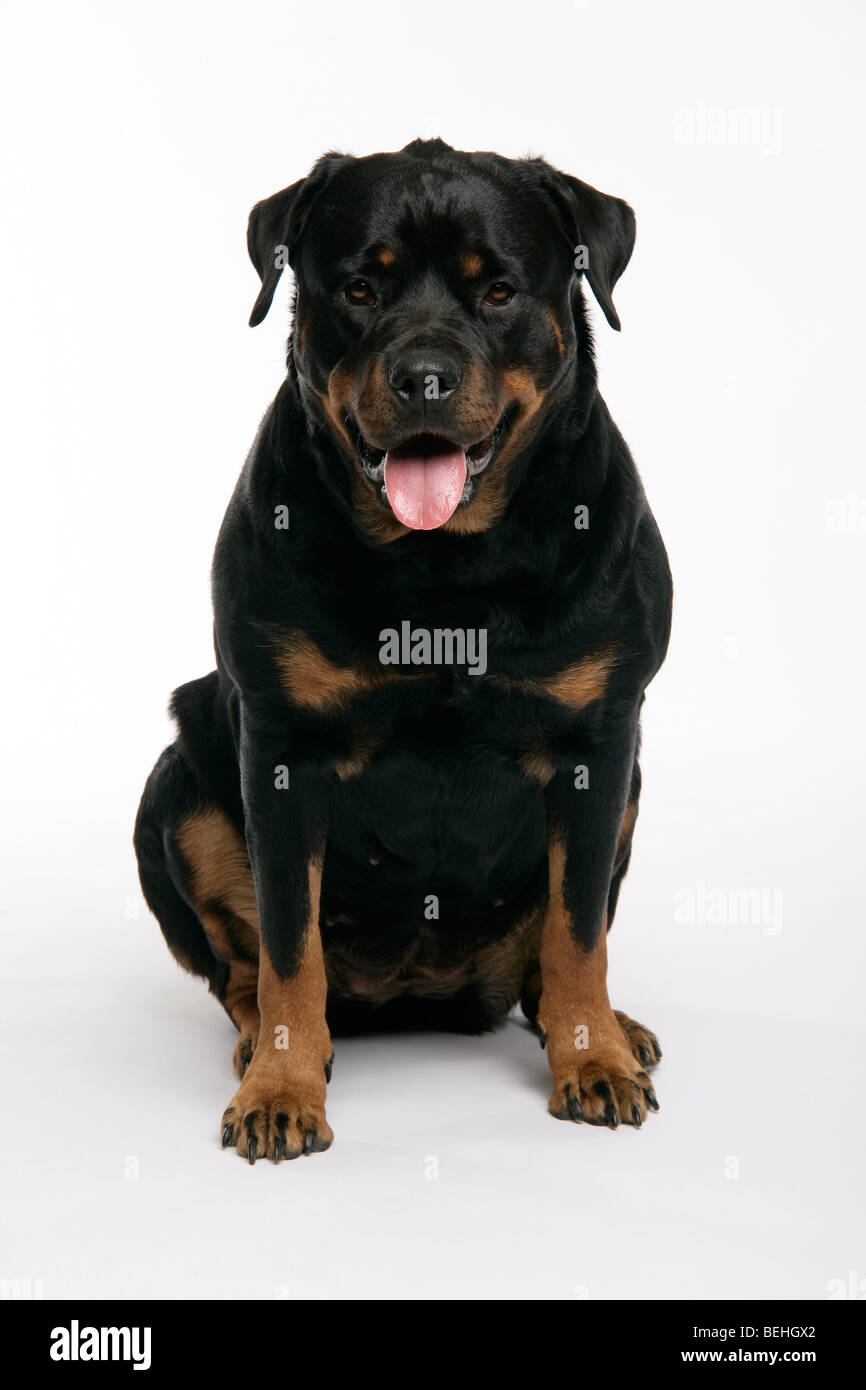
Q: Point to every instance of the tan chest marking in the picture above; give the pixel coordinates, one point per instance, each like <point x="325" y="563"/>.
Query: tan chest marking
<point x="585" y="681"/>
<point x="538" y="763"/>
<point x="312" y="681"/>
<point x="362" y="749"/>
<point x="577" y="686"/>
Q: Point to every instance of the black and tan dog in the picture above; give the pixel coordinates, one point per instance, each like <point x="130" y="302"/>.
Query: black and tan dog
<point x="406" y="796"/>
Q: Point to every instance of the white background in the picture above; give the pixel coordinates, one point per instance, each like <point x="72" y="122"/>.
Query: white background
<point x="136" y="141"/>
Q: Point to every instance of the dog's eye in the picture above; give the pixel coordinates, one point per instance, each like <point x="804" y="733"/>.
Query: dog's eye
<point x="360" y="292"/>
<point x="499" y="293"/>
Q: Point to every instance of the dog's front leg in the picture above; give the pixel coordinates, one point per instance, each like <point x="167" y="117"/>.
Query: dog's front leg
<point x="596" y="1076"/>
<point x="279" y="1109"/>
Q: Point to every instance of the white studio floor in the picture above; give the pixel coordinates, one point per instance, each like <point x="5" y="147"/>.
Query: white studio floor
<point x="136" y="388"/>
<point x="447" y="1179"/>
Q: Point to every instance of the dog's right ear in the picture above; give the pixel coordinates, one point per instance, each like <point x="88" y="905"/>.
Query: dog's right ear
<point x="276" y="224"/>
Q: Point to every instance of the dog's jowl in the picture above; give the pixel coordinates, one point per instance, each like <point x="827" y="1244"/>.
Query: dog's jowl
<point x="406" y="795"/>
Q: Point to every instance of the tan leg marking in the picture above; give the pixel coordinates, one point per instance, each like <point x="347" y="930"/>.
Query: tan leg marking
<point x="221" y="877"/>
<point x="242" y="1004"/>
<point x="595" y="1075"/>
<point x="224" y="896"/>
<point x="279" y="1109"/>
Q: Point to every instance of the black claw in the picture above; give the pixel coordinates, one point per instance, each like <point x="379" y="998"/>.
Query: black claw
<point x="327" y="1071"/>
<point x="228" y="1131"/>
<point x="602" y="1090"/>
<point x="651" y="1100"/>
<point x="574" y="1111"/>
<point x="279" y="1149"/>
<point x="645" y="1055"/>
<point x="636" y="1117"/>
<point x="309" y="1140"/>
<point x="541" y="1041"/>
<point x="252" y="1142"/>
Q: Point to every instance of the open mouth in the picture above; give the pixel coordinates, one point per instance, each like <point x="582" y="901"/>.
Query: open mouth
<point x="426" y="478"/>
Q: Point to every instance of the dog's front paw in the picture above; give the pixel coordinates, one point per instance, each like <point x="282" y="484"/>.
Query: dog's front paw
<point x="603" y="1094"/>
<point x="602" y="1085"/>
<point x="275" y="1115"/>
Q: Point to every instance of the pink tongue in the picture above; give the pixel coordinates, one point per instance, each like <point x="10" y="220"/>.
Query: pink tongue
<point x="424" y="481"/>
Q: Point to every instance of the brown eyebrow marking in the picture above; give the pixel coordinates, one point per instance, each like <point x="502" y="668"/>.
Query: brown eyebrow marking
<point x="386" y="255"/>
<point x="470" y="264"/>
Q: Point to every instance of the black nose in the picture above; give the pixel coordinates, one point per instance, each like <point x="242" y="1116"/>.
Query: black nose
<point x="424" y="375"/>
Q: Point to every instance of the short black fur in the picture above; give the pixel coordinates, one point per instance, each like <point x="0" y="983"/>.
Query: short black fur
<point x="443" y="806"/>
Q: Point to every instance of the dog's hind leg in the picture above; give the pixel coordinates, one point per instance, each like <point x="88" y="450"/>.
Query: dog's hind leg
<point x="197" y="881"/>
<point x="168" y="790"/>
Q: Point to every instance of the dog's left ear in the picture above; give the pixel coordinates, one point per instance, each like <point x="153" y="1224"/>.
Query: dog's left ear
<point x="604" y="225"/>
<point x="275" y="226"/>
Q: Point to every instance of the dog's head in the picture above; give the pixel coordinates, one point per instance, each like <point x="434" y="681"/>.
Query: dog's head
<point x="434" y="325"/>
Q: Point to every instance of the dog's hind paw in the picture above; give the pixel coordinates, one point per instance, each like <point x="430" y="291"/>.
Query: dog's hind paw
<point x="645" y="1046"/>
<point x="243" y="1054"/>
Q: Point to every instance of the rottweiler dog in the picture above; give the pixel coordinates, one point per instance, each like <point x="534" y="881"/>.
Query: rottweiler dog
<point x="406" y="796"/>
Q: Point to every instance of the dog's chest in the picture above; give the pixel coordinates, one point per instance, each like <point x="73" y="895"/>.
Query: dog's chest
<point x="443" y="698"/>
